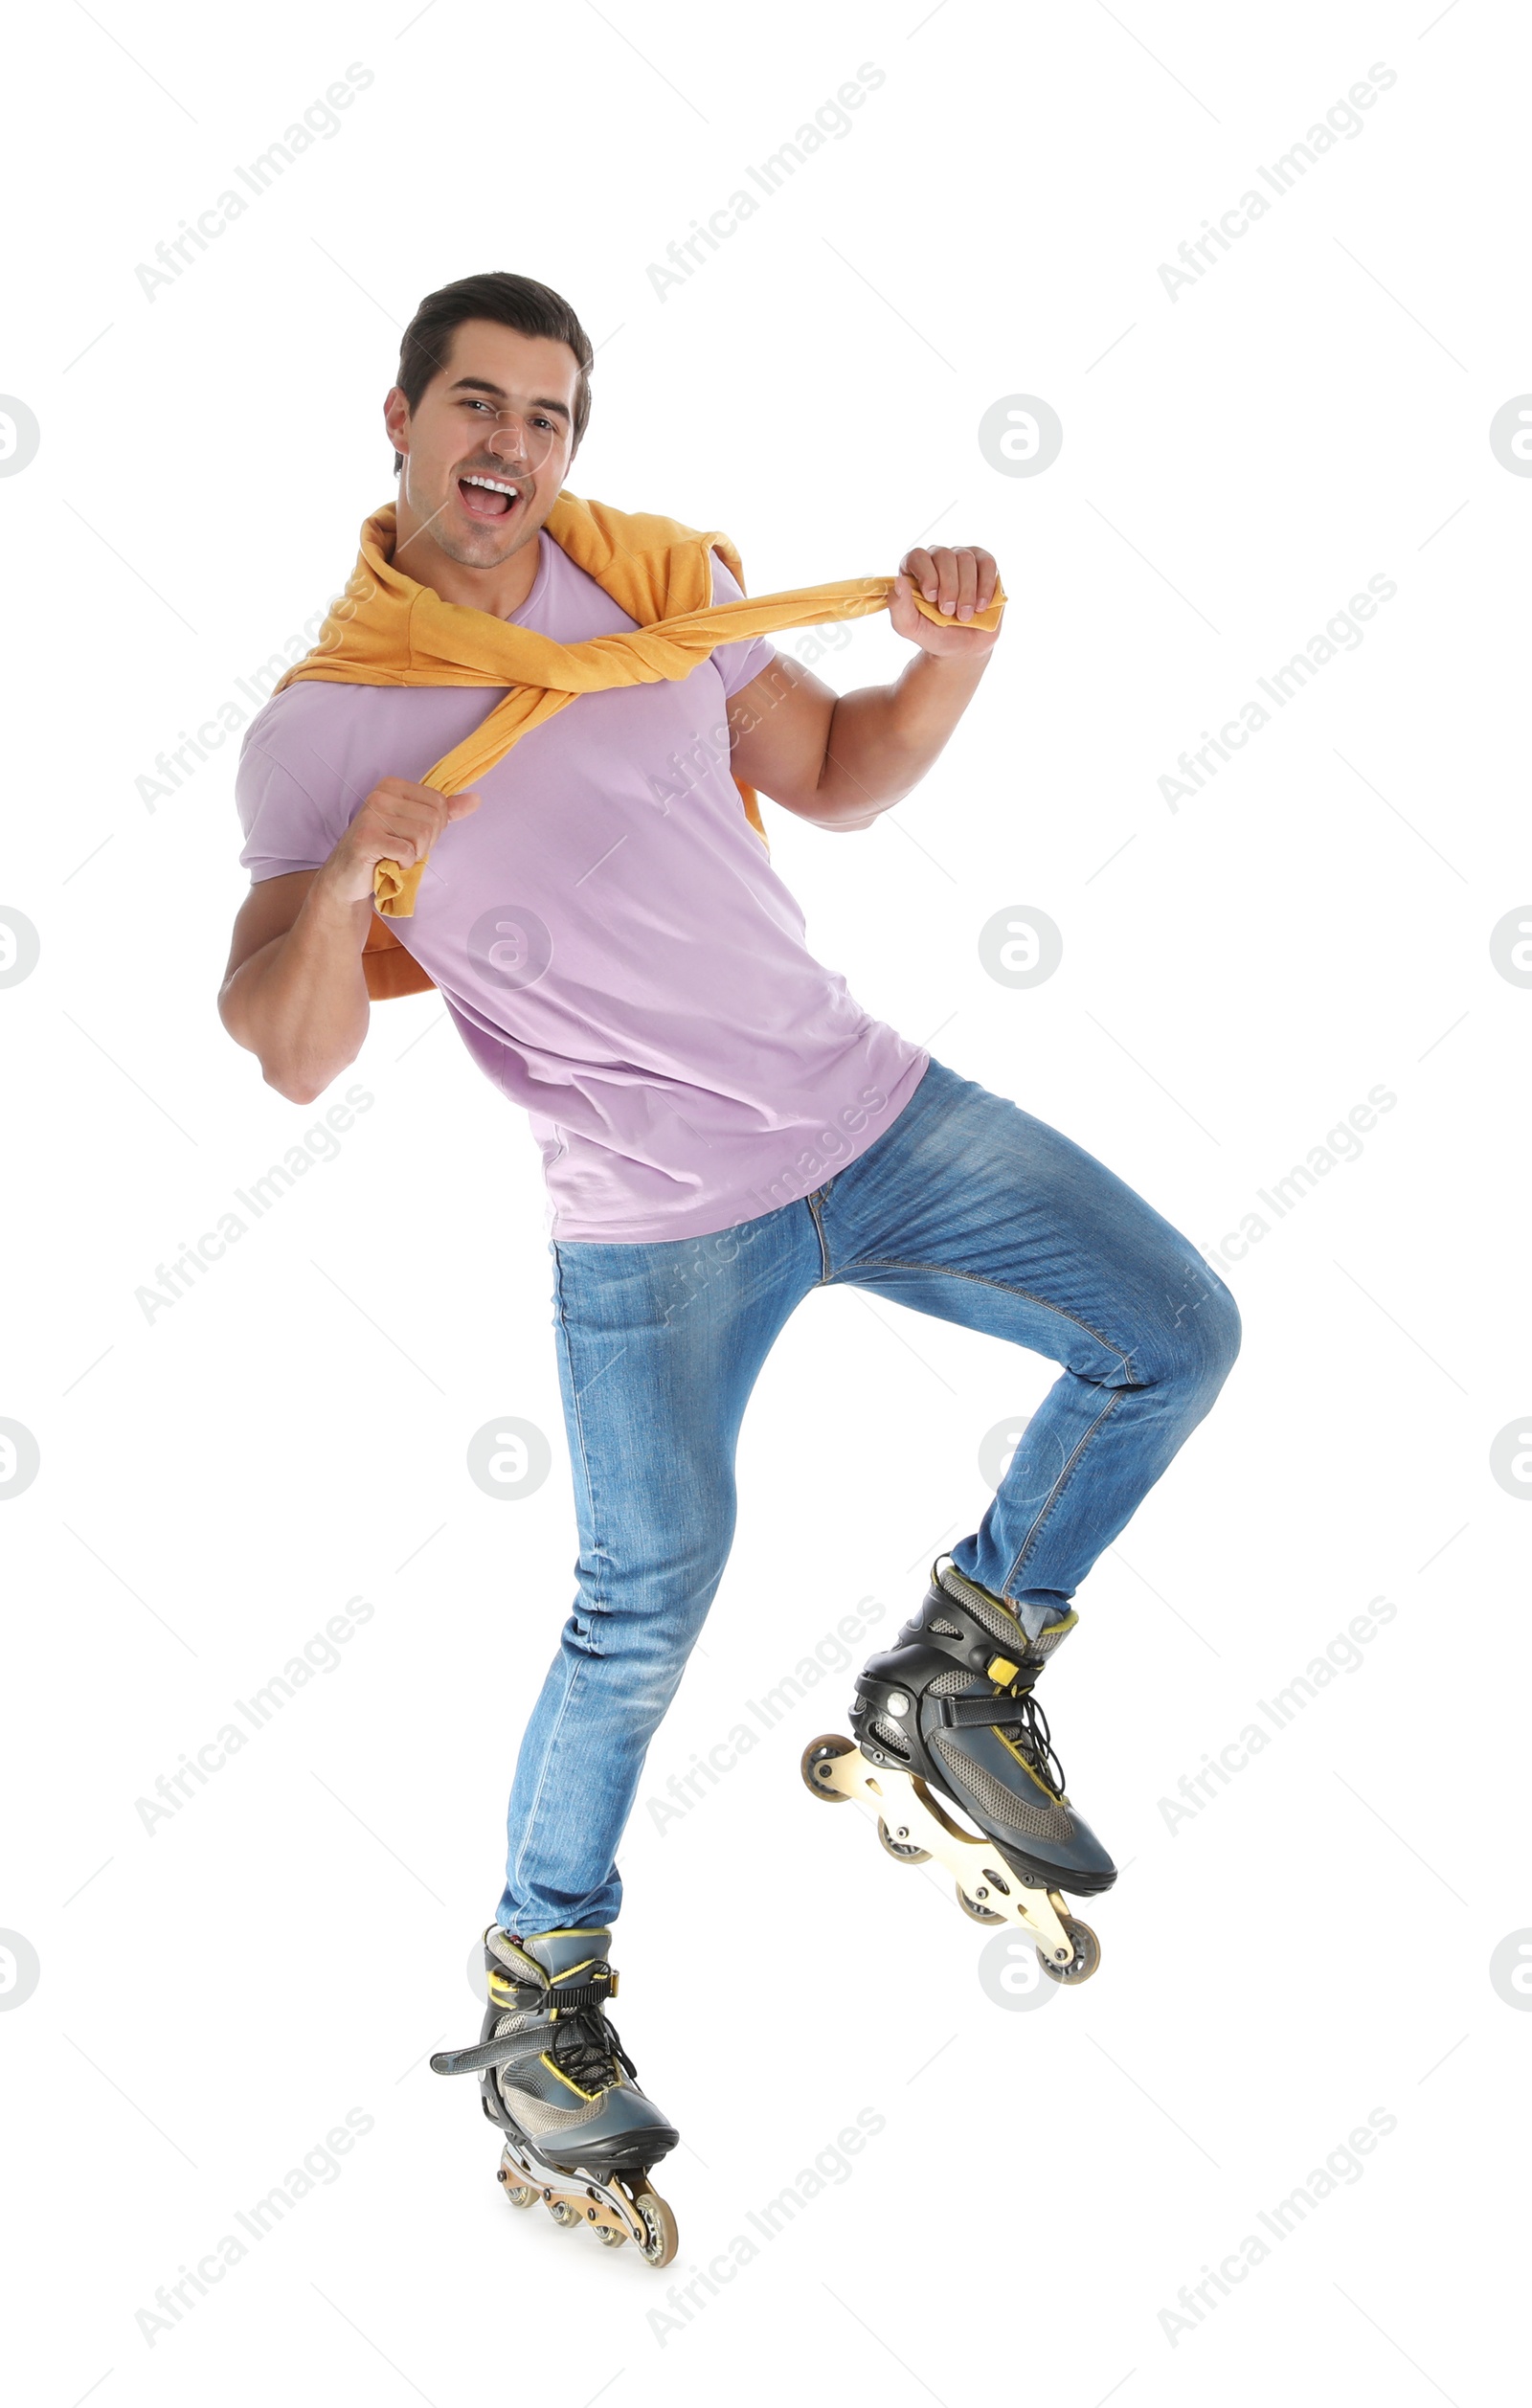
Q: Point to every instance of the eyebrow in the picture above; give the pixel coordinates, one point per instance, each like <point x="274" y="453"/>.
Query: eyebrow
<point x="481" y="384"/>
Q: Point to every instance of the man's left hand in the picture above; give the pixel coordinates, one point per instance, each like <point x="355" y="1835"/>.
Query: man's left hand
<point x="958" y="582"/>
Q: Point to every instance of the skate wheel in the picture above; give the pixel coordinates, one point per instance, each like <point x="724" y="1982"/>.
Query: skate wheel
<point x="520" y="2194"/>
<point x="564" y="2215"/>
<point x="608" y="2239"/>
<point x="906" y="1852"/>
<point x="660" y="2225"/>
<point x="972" y="1907"/>
<point x="822" y="1751"/>
<point x="1086" y="1958"/>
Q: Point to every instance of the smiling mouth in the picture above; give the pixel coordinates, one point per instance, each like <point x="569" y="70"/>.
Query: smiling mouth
<point x="488" y="496"/>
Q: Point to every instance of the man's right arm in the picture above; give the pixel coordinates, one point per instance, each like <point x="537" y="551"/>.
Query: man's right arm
<point x="295" y="993"/>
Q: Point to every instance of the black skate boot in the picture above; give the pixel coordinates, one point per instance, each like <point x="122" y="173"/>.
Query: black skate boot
<point x="949" y="1710"/>
<point x="581" y="2135"/>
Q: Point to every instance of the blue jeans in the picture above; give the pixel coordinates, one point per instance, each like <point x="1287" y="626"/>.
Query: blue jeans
<point x="966" y="1207"/>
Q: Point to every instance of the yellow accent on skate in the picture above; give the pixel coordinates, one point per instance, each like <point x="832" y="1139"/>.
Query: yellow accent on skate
<point x="569" y="2083"/>
<point x="1030" y="1769"/>
<point x="1056" y="1630"/>
<point x="1001" y="1671"/>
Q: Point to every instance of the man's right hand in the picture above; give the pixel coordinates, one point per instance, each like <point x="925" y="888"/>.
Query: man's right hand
<point x="295" y="991"/>
<point x="398" y="822"/>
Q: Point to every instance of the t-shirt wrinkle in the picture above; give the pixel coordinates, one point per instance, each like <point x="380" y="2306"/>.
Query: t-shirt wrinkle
<point x="285" y="769"/>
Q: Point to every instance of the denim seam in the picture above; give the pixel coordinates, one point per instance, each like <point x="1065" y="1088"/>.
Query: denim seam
<point x="529" y="1824"/>
<point x="551" y="1745"/>
<point x="1057" y="1490"/>
<point x="598" y="1603"/>
<point x="977" y="1279"/>
<point x="813" y="1202"/>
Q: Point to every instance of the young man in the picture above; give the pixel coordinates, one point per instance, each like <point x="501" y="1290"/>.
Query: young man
<point x="723" y="1130"/>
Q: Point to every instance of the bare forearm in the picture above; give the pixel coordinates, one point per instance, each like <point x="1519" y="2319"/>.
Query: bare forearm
<point x="884" y="738"/>
<point x="301" y="1002"/>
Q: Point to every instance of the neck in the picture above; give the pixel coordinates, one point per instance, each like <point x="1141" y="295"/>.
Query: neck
<point x="498" y="590"/>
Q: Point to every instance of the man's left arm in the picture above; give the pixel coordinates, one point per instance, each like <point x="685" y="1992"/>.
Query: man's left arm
<point x="841" y="759"/>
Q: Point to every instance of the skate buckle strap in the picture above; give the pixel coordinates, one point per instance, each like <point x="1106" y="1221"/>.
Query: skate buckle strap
<point x="976" y="1714"/>
<point x="568" y="2002"/>
<point x="1015" y="1709"/>
<point x="558" y="2005"/>
<point x="479" y="2059"/>
<point x="559" y="1999"/>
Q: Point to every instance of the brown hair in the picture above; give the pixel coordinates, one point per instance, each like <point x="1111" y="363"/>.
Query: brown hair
<point x="508" y="300"/>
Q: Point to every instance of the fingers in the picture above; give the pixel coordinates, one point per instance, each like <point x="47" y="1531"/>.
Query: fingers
<point x="921" y="569"/>
<point x="957" y="582"/>
<point x="401" y="821"/>
<point x="405" y="790"/>
<point x="986" y="577"/>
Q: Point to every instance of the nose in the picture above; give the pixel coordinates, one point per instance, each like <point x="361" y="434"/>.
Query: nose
<point x="521" y="447"/>
<point x="509" y="441"/>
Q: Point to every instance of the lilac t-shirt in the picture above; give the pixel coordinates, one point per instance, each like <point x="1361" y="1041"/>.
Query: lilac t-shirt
<point x="606" y="930"/>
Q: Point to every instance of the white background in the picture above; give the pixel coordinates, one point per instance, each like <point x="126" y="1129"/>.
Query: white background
<point x="216" y="1482"/>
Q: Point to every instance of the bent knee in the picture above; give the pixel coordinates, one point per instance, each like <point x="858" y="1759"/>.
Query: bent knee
<point x="1210" y="1333"/>
<point x="1196" y="1337"/>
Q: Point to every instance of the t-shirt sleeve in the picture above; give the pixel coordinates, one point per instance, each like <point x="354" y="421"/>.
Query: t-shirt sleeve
<point x="286" y="826"/>
<point x="736" y="663"/>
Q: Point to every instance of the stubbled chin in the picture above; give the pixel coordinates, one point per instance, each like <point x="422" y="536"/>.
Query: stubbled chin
<point x="479" y="544"/>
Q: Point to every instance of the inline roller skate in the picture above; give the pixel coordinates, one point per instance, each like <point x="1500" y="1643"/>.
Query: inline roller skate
<point x="948" y="1714"/>
<point x="579" y="2133"/>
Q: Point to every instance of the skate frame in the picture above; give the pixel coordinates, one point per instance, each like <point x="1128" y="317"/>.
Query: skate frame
<point x="599" y="2203"/>
<point x="914" y="1818"/>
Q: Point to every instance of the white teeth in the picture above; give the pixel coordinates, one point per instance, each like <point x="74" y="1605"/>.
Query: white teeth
<point x="492" y="485"/>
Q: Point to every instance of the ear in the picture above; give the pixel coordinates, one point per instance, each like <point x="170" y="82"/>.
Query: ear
<point x="396" y="418"/>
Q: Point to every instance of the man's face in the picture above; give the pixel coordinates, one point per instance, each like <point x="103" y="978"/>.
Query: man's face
<point x="487" y="448"/>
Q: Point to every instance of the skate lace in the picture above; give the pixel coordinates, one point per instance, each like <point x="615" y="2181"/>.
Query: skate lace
<point x="587" y="2049"/>
<point x="1029" y="1734"/>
